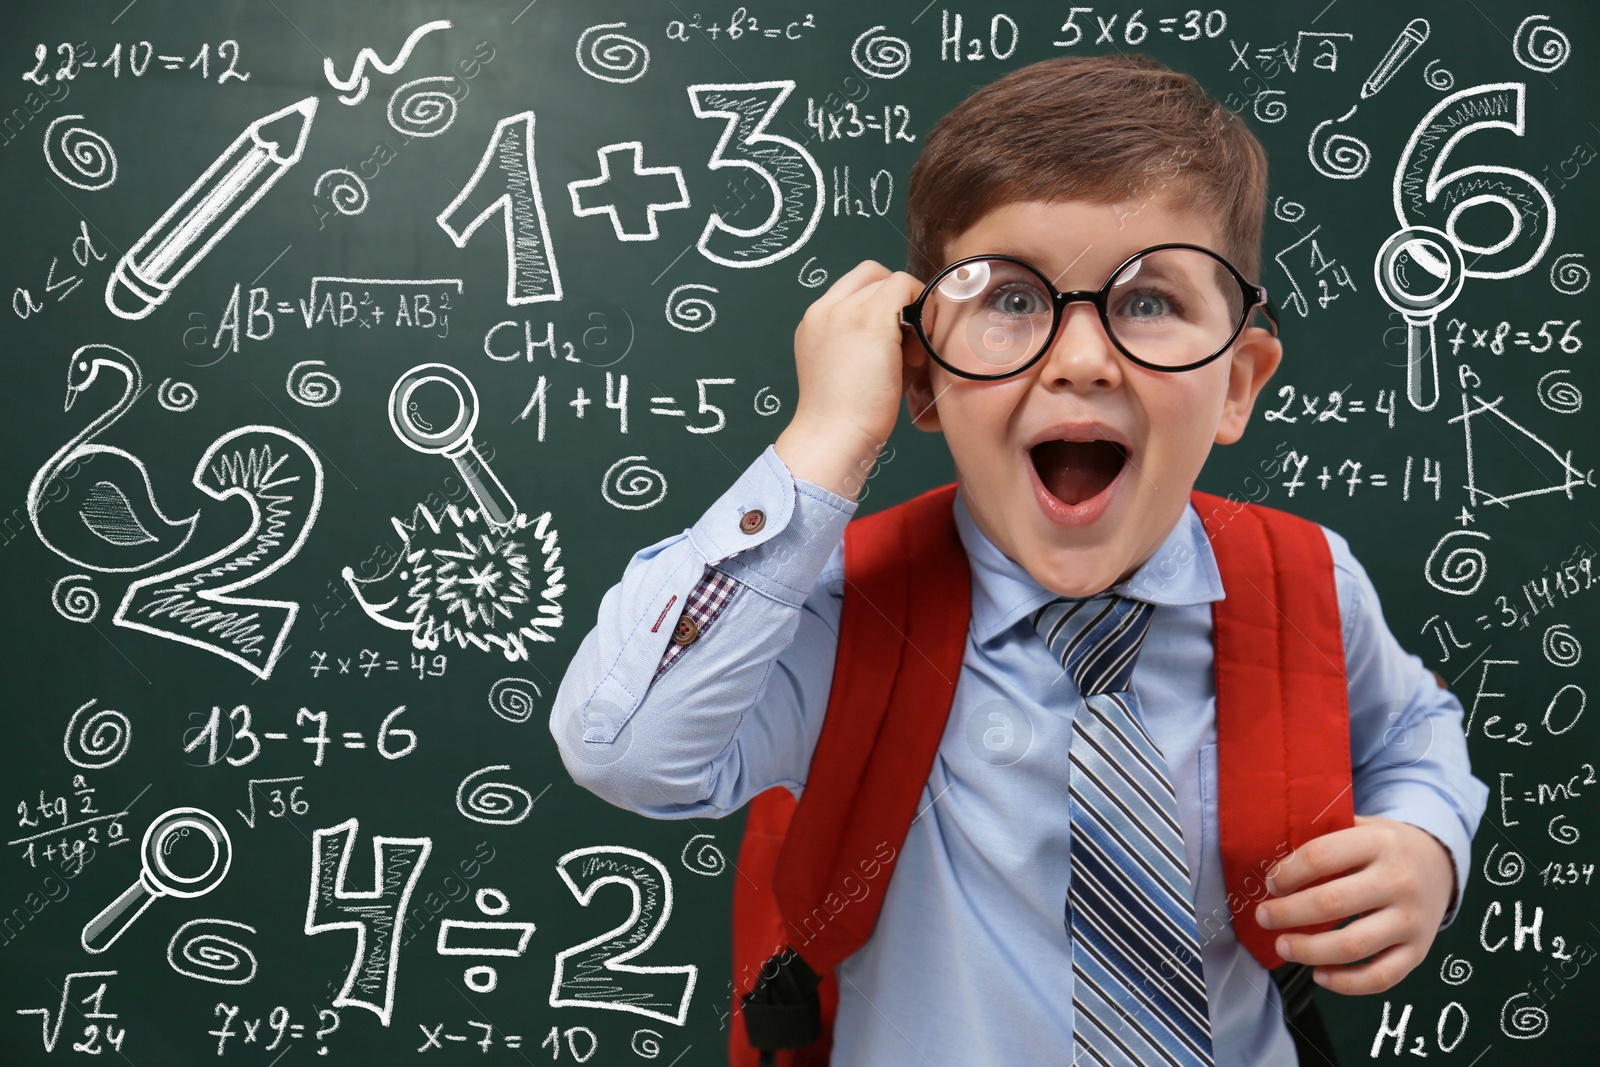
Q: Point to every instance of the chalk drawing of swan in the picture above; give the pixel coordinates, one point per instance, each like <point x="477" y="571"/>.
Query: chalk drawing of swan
<point x="92" y="504"/>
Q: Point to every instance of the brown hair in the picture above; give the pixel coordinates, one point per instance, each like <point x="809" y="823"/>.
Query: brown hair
<point x="1095" y="128"/>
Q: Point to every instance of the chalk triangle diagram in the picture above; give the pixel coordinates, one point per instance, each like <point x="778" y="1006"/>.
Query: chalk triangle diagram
<point x="1511" y="455"/>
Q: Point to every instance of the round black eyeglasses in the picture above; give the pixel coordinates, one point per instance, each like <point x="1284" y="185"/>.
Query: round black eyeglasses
<point x="1171" y="307"/>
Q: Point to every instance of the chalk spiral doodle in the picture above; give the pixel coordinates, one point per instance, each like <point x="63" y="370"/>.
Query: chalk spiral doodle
<point x="75" y="603"/>
<point x="424" y="107"/>
<point x="313" y="388"/>
<point x="1269" y="111"/>
<point x="1526" y="1021"/>
<point x="1341" y="156"/>
<point x="347" y="193"/>
<point x="612" y="57"/>
<point x="209" y="956"/>
<point x="637" y="481"/>
<point x="512" y="698"/>
<point x="1288" y="210"/>
<point x="691" y="314"/>
<point x="98" y="741"/>
<point x="1568" y="275"/>
<point x="767" y="402"/>
<point x="1437" y="77"/>
<point x="708" y="858"/>
<point x="1560" y="396"/>
<point x="811" y="277"/>
<point x="880" y="55"/>
<point x="1565" y="833"/>
<point x="1561" y="648"/>
<point x="493" y="803"/>
<point x="79" y="156"/>
<point x="1463" y="567"/>
<point x="1540" y="47"/>
<point x="1508" y="871"/>
<point x="1455" y="970"/>
<point x="177" y="396"/>
<point x="646" y="1044"/>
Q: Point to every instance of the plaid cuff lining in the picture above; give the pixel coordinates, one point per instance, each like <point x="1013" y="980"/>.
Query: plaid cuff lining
<point x="713" y="593"/>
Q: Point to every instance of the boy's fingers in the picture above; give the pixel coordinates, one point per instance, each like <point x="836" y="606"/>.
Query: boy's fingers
<point x="845" y="286"/>
<point x="1322" y="856"/>
<point x="1374" y="976"/>
<point x="1347" y="944"/>
<point x="912" y="354"/>
<point x="885" y="296"/>
<point x="1328" y="902"/>
<point x="861" y="276"/>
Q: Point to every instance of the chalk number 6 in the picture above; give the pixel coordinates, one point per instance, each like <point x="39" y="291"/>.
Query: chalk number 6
<point x="1425" y="195"/>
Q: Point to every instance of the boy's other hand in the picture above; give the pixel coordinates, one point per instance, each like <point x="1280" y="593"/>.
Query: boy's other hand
<point x="850" y="357"/>
<point x="1396" y="877"/>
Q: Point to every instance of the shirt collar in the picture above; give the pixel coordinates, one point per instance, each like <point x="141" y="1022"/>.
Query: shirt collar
<point x="1182" y="570"/>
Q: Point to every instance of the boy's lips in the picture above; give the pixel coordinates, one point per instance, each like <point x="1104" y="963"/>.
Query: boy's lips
<point x="1075" y="469"/>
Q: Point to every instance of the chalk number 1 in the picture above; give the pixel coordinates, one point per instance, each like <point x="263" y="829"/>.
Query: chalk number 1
<point x="507" y="173"/>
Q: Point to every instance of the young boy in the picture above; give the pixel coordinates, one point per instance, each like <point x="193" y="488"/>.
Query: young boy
<point x="1077" y="434"/>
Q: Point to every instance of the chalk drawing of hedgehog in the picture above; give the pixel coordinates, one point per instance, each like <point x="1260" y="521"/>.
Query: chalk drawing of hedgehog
<point x="462" y="580"/>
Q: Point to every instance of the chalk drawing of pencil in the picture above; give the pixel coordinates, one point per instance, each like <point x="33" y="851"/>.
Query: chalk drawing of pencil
<point x="208" y="209"/>
<point x="1413" y="37"/>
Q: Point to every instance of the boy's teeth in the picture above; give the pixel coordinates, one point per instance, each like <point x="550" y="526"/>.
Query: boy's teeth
<point x="1075" y="471"/>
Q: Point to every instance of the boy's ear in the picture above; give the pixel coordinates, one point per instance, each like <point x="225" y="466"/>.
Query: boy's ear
<point x="1256" y="356"/>
<point x="917" y="377"/>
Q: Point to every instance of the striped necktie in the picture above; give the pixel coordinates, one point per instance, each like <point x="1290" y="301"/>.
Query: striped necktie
<point x="1139" y="994"/>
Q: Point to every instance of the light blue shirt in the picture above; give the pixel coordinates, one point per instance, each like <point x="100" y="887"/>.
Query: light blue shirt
<point x="969" y="961"/>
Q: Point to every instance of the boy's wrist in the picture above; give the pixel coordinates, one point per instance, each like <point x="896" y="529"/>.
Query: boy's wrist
<point x="831" y="453"/>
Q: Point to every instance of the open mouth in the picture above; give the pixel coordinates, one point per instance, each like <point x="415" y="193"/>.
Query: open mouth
<point x="1076" y="471"/>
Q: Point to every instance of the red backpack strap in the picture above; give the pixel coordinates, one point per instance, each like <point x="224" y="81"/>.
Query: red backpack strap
<point x="758" y="930"/>
<point x="887" y="621"/>
<point x="901" y="643"/>
<point x="1283" y="715"/>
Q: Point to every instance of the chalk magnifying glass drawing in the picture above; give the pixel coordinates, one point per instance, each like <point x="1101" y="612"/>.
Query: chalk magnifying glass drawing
<point x="185" y="853"/>
<point x="1419" y="272"/>
<point x="454" y="440"/>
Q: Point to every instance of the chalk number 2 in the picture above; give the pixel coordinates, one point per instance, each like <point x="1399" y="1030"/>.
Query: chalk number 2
<point x="597" y="974"/>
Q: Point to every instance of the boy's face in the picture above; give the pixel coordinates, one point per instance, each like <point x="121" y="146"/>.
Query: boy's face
<point x="1106" y="509"/>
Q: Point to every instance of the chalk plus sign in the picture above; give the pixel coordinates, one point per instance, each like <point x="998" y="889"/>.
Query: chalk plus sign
<point x="652" y="180"/>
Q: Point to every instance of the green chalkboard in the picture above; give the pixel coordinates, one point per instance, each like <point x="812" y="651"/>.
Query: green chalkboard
<point x="283" y="624"/>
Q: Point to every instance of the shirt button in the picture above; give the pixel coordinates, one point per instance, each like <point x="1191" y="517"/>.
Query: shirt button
<point x="753" y="520"/>
<point x="686" y="631"/>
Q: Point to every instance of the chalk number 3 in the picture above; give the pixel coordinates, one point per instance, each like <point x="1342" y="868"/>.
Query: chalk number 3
<point x="790" y="173"/>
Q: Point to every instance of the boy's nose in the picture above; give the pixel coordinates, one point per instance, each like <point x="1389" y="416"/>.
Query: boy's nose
<point x="1082" y="355"/>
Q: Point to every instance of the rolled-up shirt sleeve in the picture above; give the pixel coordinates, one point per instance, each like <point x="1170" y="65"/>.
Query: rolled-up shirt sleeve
<point x="698" y="724"/>
<point x="1408" y="751"/>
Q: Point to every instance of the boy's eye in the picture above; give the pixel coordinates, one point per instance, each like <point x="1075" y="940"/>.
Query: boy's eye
<point x="1020" y="300"/>
<point x="1147" y="304"/>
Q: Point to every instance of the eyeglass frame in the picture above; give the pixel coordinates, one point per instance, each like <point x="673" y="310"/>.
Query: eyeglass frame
<point x="1255" y="296"/>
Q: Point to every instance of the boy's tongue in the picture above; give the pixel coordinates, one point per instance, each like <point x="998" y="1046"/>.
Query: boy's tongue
<point x="1075" y="471"/>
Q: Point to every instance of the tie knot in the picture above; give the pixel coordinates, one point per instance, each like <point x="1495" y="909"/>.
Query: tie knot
<point x="1097" y="639"/>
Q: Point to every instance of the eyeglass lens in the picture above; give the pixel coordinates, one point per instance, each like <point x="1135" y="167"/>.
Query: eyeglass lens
<point x="1169" y="307"/>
